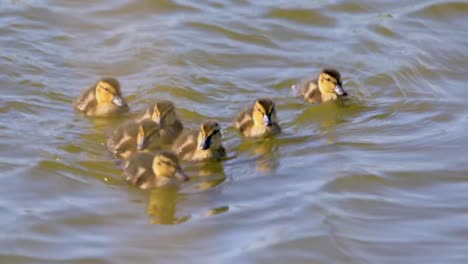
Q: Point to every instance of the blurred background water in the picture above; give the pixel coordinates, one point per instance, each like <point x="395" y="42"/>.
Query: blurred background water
<point x="381" y="177"/>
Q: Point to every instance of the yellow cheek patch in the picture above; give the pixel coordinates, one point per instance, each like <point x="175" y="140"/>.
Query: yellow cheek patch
<point x="167" y="162"/>
<point x="107" y="87"/>
<point x="329" y="78"/>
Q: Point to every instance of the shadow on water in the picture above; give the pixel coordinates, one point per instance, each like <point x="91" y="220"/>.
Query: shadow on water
<point x="162" y="206"/>
<point x="263" y="151"/>
<point x="379" y="177"/>
<point x="204" y="176"/>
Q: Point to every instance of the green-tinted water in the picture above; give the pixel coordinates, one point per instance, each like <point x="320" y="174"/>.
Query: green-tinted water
<point x="379" y="178"/>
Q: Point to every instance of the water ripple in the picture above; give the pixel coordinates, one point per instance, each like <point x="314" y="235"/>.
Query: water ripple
<point x="378" y="177"/>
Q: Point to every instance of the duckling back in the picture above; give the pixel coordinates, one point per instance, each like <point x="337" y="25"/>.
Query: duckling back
<point x="138" y="169"/>
<point x="186" y="145"/>
<point x="126" y="132"/>
<point x="243" y="121"/>
<point x="169" y="134"/>
<point x="310" y="91"/>
<point x="86" y="100"/>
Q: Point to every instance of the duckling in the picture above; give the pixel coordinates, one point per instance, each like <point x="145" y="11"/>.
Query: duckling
<point x="102" y="99"/>
<point x="259" y="120"/>
<point x="327" y="87"/>
<point x="147" y="170"/>
<point x="202" y="145"/>
<point x="132" y="137"/>
<point x="164" y="114"/>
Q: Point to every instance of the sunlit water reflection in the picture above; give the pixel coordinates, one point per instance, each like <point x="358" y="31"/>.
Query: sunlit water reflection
<point x="379" y="177"/>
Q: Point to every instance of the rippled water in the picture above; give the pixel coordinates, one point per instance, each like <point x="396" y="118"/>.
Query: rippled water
<point x="381" y="177"/>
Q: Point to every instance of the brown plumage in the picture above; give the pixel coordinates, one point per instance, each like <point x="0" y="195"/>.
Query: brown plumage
<point x="164" y="114"/>
<point x="326" y="87"/>
<point x="259" y="120"/>
<point x="201" y="145"/>
<point x="133" y="136"/>
<point x="146" y="170"/>
<point x="104" y="98"/>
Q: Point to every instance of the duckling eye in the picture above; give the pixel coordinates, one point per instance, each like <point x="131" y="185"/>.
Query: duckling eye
<point x="332" y="81"/>
<point x="166" y="163"/>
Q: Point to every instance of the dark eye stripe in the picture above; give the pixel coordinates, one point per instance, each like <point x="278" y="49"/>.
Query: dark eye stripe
<point x="166" y="162"/>
<point x="162" y="114"/>
<point x="152" y="132"/>
<point x="335" y="83"/>
<point x="212" y="134"/>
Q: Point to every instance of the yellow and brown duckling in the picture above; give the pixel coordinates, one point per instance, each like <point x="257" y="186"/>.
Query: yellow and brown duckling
<point x="104" y="98"/>
<point x="133" y="136"/>
<point x="202" y="145"/>
<point x="327" y="87"/>
<point x="164" y="114"/>
<point x="146" y="170"/>
<point x="260" y="120"/>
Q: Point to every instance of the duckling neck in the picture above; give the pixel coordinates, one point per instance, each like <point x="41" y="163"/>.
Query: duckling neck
<point x="259" y="129"/>
<point x="105" y="109"/>
<point x="201" y="154"/>
<point x="258" y="125"/>
<point x="328" y="97"/>
<point x="162" y="181"/>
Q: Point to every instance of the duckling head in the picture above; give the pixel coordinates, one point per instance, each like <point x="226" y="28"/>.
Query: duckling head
<point x="148" y="134"/>
<point x="166" y="166"/>
<point x="108" y="91"/>
<point x="164" y="113"/>
<point x="264" y="112"/>
<point x="209" y="136"/>
<point x="329" y="82"/>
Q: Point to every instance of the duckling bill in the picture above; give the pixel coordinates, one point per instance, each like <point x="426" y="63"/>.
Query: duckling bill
<point x="327" y="87"/>
<point x="104" y="98"/>
<point x="202" y="145"/>
<point x="260" y="120"/>
<point x="146" y="170"/>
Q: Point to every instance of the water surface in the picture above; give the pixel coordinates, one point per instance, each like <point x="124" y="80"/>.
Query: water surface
<point x="378" y="178"/>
